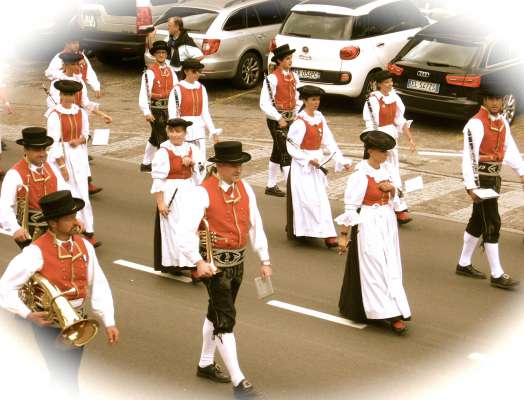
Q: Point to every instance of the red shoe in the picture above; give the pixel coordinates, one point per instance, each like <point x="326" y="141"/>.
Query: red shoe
<point x="403" y="217"/>
<point x="331" y="242"/>
<point x="91" y="239"/>
<point x="399" y="327"/>
<point x="93" y="189"/>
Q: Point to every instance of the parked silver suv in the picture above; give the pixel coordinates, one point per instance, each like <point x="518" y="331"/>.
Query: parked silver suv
<point x="234" y="35"/>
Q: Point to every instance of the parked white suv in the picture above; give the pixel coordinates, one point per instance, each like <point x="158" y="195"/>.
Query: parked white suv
<point x="341" y="43"/>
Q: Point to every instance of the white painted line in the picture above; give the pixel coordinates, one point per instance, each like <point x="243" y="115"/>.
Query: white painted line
<point x="433" y="190"/>
<point x="316" y="314"/>
<point x="507" y="202"/>
<point x="150" y="270"/>
<point x="478" y="357"/>
<point x="439" y="154"/>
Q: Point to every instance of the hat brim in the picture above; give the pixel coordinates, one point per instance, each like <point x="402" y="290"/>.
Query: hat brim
<point x="245" y="157"/>
<point x="282" y="55"/>
<point x="389" y="144"/>
<point x="154" y="51"/>
<point x="196" y="67"/>
<point x="48" y="142"/>
<point x="184" y="124"/>
<point x="78" y="205"/>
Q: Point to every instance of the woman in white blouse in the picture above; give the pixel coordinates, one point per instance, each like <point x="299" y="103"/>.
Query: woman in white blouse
<point x="372" y="287"/>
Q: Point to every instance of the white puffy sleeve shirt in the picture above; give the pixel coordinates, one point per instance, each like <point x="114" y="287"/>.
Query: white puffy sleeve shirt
<point x="372" y="118"/>
<point x="54" y="129"/>
<point x="266" y="102"/>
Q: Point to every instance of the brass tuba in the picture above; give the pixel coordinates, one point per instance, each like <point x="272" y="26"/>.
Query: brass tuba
<point x="206" y="244"/>
<point x="41" y="295"/>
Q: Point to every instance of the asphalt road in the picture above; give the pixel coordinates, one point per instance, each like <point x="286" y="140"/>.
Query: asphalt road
<point x="285" y="354"/>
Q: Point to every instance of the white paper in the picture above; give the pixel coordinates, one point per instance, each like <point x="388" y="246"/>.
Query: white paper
<point x="485" y="194"/>
<point x="264" y="287"/>
<point x="413" y="184"/>
<point x="100" y="137"/>
<point x="409" y="122"/>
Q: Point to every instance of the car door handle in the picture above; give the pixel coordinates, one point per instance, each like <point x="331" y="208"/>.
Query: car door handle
<point x="380" y="44"/>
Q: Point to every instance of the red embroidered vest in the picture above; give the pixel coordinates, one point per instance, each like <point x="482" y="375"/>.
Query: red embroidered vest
<point x="71" y="125"/>
<point x="387" y="112"/>
<point x="177" y="170"/>
<point x="285" y="96"/>
<point x="374" y="195"/>
<point x="230" y="221"/>
<point x="39" y="184"/>
<point x="313" y="136"/>
<point x="493" y="142"/>
<point x="191" y="101"/>
<point x="163" y="82"/>
<point x="65" y="273"/>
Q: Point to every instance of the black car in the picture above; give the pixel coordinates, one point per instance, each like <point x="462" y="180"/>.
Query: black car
<point x="440" y="70"/>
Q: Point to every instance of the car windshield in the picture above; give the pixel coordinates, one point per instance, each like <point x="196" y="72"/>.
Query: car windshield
<point x="442" y="54"/>
<point x="318" y="25"/>
<point x="195" y="19"/>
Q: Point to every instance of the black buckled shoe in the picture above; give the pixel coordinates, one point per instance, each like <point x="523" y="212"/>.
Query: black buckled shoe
<point x="245" y="390"/>
<point x="504" y="282"/>
<point x="214" y="373"/>
<point x="470" y="271"/>
<point x="145" y="167"/>
<point x="275" y="191"/>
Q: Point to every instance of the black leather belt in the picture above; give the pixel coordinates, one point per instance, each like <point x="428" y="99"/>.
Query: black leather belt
<point x="287" y="115"/>
<point x="162" y="103"/>
<point x="490" y="168"/>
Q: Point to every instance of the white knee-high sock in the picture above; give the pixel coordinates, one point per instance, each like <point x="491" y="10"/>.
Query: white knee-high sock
<point x="470" y="243"/>
<point x="149" y="153"/>
<point x="227" y="348"/>
<point x="492" y="252"/>
<point x="286" y="172"/>
<point x="207" y="357"/>
<point x="272" y="175"/>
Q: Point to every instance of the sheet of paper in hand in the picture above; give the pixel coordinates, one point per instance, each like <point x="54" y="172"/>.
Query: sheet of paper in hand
<point x="264" y="287"/>
<point x="100" y="137"/>
<point x="413" y="184"/>
<point x="485" y="194"/>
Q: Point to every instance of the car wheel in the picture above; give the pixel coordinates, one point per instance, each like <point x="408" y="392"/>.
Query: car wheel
<point x="249" y="71"/>
<point x="106" y="57"/>
<point x="509" y="107"/>
<point x="367" y="88"/>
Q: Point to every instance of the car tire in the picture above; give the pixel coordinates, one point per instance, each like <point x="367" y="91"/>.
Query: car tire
<point x="366" y="90"/>
<point x="106" y="57"/>
<point x="249" y="71"/>
<point x="510" y="107"/>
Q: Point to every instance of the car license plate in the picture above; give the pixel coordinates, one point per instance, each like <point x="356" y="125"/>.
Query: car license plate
<point x="423" y="86"/>
<point x="307" y="74"/>
<point x="89" y="21"/>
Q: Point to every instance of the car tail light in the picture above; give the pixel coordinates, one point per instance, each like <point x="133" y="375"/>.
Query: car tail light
<point x="272" y="44"/>
<point x="472" y="81"/>
<point x="210" y="46"/>
<point x="395" y="69"/>
<point x="349" y="52"/>
<point x="144" y="18"/>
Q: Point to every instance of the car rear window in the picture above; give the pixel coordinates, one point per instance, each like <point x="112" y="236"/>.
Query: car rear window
<point x="195" y="19"/>
<point x="318" y="25"/>
<point x="442" y="53"/>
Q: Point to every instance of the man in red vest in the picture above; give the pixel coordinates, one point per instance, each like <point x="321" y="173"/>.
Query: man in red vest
<point x="229" y="205"/>
<point x="32" y="173"/>
<point x="487" y="137"/>
<point x="279" y="100"/>
<point x="157" y="82"/>
<point x="69" y="262"/>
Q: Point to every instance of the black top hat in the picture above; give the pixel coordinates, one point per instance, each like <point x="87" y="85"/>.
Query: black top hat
<point x="70" y="58"/>
<point x="158" y="45"/>
<point x="68" y="86"/>
<point x="191" y="63"/>
<point x="174" y="122"/>
<point x="377" y="140"/>
<point x="34" y="136"/>
<point x="381" y="76"/>
<point x="308" y="91"/>
<point x="58" y="204"/>
<point x="491" y="87"/>
<point x="281" y="52"/>
<point x="229" y="152"/>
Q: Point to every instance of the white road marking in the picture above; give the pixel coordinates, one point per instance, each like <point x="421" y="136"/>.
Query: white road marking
<point x="316" y="314"/>
<point x="150" y="270"/>
<point x="507" y="201"/>
<point x="433" y="190"/>
<point x="478" y="357"/>
<point x="440" y="153"/>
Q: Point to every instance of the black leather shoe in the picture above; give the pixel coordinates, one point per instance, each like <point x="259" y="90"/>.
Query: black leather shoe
<point x="245" y="390"/>
<point x="213" y="372"/>
<point x="275" y="191"/>
<point x="145" y="167"/>
<point x="504" y="282"/>
<point x="470" y="271"/>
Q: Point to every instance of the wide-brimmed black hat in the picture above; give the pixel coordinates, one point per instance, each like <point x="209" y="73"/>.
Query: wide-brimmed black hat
<point x="229" y="152"/>
<point x="158" y="45"/>
<point x="281" y="52"/>
<point x="68" y="86"/>
<point x="35" y="136"/>
<point x="191" y="63"/>
<point x="377" y="140"/>
<point x="381" y="76"/>
<point x="308" y="91"/>
<point x="70" y="58"/>
<point x="58" y="204"/>
<point x="491" y="87"/>
<point x="174" y="122"/>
